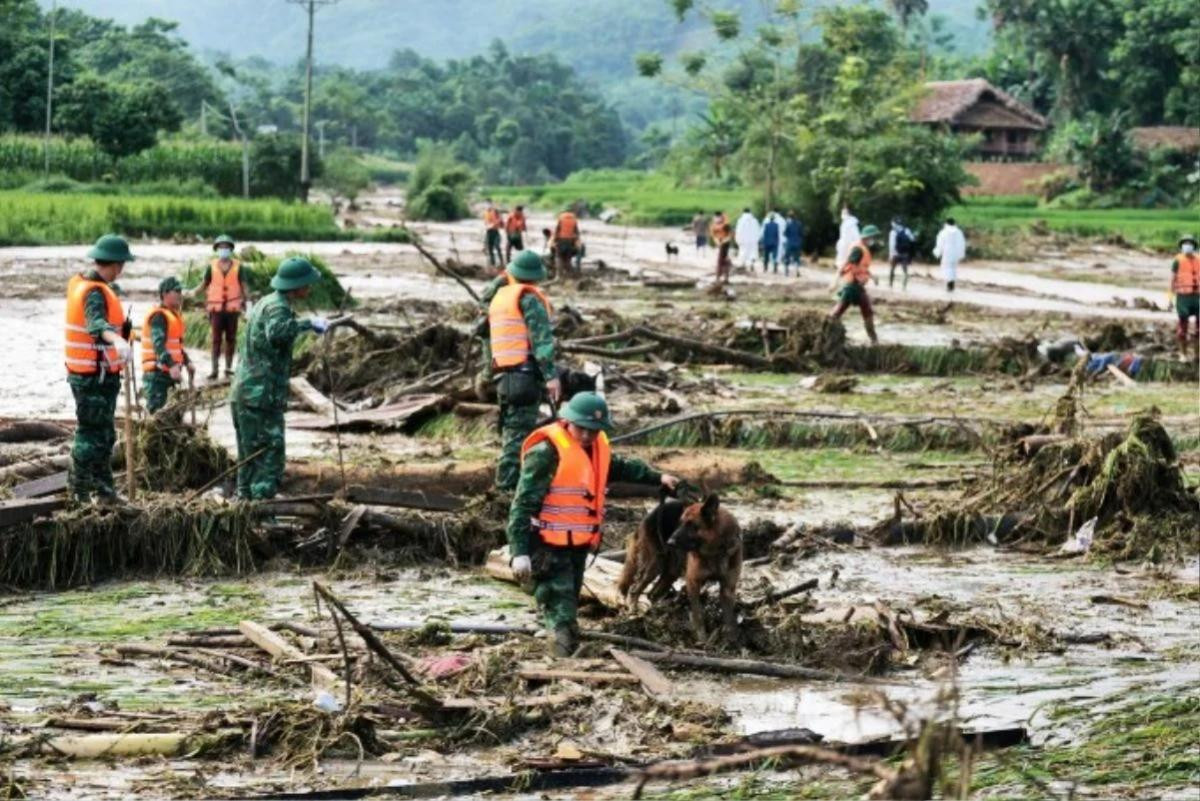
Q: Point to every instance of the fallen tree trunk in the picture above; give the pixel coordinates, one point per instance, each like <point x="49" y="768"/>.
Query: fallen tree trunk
<point x="499" y="629"/>
<point x="746" y="666"/>
<point x="134" y="744"/>
<point x="32" y="431"/>
<point x="729" y="355"/>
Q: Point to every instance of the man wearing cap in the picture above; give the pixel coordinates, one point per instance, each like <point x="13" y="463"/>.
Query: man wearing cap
<point x="260" y="388"/>
<point x="97" y="349"/>
<point x="225" y="293"/>
<point x="520" y="353"/>
<point x="853" y="278"/>
<point x="556" y="514"/>
<point x="1185" y="286"/>
<point x="163" y="356"/>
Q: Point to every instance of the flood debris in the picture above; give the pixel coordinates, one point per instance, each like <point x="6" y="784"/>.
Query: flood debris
<point x="1131" y="485"/>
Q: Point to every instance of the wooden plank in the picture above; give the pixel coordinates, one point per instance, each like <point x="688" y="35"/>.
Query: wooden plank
<point x="311" y="397"/>
<point x="281" y="649"/>
<point x="1119" y="375"/>
<point x="22" y="510"/>
<point x="392" y="415"/>
<point x="408" y="499"/>
<point x="528" y="702"/>
<point x="653" y="681"/>
<point x="581" y="676"/>
<point x="599" y="582"/>
<point x="47" y="485"/>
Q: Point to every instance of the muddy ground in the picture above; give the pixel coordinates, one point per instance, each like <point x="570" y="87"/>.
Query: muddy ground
<point x="1059" y="655"/>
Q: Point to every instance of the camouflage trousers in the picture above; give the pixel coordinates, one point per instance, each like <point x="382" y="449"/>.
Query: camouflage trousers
<point x="259" y="429"/>
<point x="557" y="582"/>
<point x="156" y="387"/>
<point x="516" y="423"/>
<point x="95" y="436"/>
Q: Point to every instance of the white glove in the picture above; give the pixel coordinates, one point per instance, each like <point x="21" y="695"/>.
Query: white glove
<point x="122" y="348"/>
<point x="176" y="372"/>
<point x="522" y="569"/>
<point x="319" y="324"/>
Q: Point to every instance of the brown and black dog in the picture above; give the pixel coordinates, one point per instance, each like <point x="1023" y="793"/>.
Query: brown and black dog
<point x="705" y="545"/>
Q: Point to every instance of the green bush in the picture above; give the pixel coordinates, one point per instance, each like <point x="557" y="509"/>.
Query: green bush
<point x="437" y="189"/>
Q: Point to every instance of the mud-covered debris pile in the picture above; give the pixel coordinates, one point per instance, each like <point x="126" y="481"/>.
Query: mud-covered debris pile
<point x="173" y="455"/>
<point x="358" y="367"/>
<point x="1127" y="490"/>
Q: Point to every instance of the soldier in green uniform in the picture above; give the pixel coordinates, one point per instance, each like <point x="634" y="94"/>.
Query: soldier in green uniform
<point x="163" y="356"/>
<point x="97" y="348"/>
<point x="260" y="386"/>
<point x="556" y="513"/>
<point x="520" y="354"/>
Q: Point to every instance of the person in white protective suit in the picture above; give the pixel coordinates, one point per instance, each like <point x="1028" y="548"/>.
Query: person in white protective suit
<point x="746" y="234"/>
<point x="950" y="248"/>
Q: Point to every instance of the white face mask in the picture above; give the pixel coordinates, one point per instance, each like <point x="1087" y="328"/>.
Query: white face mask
<point x="1188" y="247"/>
<point x="224" y="253"/>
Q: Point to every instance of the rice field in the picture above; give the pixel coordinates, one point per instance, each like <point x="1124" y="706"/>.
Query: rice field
<point x="52" y="219"/>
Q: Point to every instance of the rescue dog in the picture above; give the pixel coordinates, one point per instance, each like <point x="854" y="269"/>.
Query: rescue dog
<point x="705" y="545"/>
<point x="672" y="251"/>
<point x="647" y="557"/>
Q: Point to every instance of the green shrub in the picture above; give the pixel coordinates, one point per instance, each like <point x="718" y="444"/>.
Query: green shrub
<point x="437" y="189"/>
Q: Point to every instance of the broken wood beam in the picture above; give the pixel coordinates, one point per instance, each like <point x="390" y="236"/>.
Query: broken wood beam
<point x="729" y="355"/>
<point x="581" y="676"/>
<point x="408" y="499"/>
<point x="279" y="648"/>
<point x="775" y="597"/>
<point x="653" y="681"/>
<point x="310" y="396"/>
<point x="22" y="510"/>
<point x="751" y="667"/>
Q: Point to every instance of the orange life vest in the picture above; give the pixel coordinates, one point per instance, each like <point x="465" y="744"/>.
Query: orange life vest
<point x="859" y="273"/>
<point x="516" y="222"/>
<point x="573" y="509"/>
<point x="1187" y="276"/>
<point x="507" y="331"/>
<point x="225" y="288"/>
<point x="568" y="226"/>
<point x="150" y="361"/>
<point x="84" y="354"/>
<point x="491" y="218"/>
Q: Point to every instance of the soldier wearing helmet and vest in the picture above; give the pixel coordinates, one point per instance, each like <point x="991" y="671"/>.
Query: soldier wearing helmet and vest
<point x="225" y="296"/>
<point x="521" y="347"/>
<point x="97" y="348"/>
<point x="163" y="356"/>
<point x="260" y="388"/>
<point x="554" y="523"/>
<point x="853" y="277"/>
<point x="1185" y="286"/>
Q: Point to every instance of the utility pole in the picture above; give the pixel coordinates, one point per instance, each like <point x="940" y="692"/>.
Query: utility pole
<point x="237" y="129"/>
<point x="305" y="174"/>
<point x="49" y="92"/>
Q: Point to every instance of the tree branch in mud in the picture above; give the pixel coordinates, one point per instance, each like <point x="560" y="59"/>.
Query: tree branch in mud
<point x="807" y="753"/>
<point x="443" y="269"/>
<point x="730" y="355"/>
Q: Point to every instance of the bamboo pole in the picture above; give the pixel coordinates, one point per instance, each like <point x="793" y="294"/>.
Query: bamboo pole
<point x="130" y="469"/>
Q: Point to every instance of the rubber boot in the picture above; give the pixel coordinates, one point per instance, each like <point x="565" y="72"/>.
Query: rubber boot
<point x="564" y="642"/>
<point x="869" y="324"/>
<point x="216" y="365"/>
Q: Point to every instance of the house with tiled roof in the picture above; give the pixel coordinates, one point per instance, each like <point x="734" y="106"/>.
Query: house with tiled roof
<point x="1008" y="129"/>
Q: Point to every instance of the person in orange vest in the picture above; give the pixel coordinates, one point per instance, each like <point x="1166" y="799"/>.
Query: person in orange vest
<point x="1185" y="286"/>
<point x="566" y="241"/>
<point x="853" y="277"/>
<point x="226" y="296"/>
<point x="554" y="522"/>
<point x="521" y="348"/>
<point x="163" y="356"/>
<point x="493" y="223"/>
<point x="721" y="235"/>
<point x="515" y="227"/>
<point x="97" y="348"/>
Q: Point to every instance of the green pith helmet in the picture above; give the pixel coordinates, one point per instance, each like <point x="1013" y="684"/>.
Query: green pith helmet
<point x="587" y="410"/>
<point x="527" y="266"/>
<point x="224" y="239"/>
<point x="1188" y="238"/>
<point x="869" y="231"/>
<point x="169" y="284"/>
<point x="110" y="247"/>
<point x="295" y="273"/>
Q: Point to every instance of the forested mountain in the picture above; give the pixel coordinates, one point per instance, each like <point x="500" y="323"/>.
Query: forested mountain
<point x="598" y="39"/>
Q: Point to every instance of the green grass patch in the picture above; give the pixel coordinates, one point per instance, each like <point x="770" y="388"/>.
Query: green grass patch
<point x="1156" y="229"/>
<point x="385" y="170"/>
<point x="643" y="198"/>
